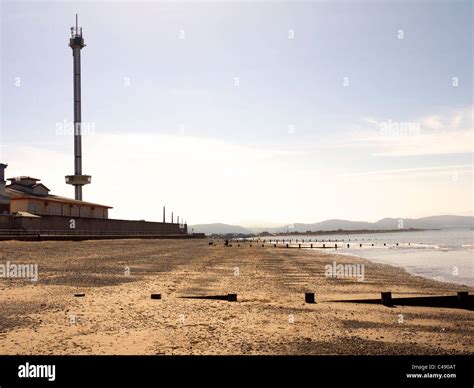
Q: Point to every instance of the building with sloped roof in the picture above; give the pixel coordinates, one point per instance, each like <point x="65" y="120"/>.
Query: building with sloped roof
<point x="28" y="195"/>
<point x="27" y="208"/>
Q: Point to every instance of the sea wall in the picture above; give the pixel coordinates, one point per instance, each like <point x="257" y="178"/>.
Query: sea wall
<point x="89" y="225"/>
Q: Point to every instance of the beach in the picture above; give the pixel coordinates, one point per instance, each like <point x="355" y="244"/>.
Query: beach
<point x="116" y="315"/>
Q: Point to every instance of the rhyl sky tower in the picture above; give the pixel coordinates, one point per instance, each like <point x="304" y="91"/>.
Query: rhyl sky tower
<point x="77" y="180"/>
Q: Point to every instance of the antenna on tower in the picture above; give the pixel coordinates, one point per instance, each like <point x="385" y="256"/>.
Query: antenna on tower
<point x="77" y="24"/>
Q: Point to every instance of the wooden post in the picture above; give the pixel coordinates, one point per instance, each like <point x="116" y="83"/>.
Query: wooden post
<point x="311" y="246"/>
<point x="231" y="297"/>
<point x="335" y="246"/>
<point x="299" y="245"/>
<point x="155" y="296"/>
<point x="386" y="299"/>
<point x="463" y="297"/>
<point x="287" y="245"/>
<point x="348" y="245"/>
<point x="274" y="245"/>
<point x="324" y="245"/>
<point x="360" y="245"/>
<point x="309" y="297"/>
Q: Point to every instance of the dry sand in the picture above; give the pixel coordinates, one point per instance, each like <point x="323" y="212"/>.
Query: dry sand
<point x="117" y="315"/>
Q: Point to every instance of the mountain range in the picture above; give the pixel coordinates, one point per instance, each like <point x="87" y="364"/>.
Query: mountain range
<point x="434" y="222"/>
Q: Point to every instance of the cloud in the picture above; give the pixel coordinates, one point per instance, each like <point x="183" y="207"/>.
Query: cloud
<point x="419" y="171"/>
<point x="433" y="122"/>
<point x="201" y="179"/>
<point x="210" y="180"/>
<point x="451" y="132"/>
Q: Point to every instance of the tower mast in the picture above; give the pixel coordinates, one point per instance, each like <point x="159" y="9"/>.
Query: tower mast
<point x="76" y="42"/>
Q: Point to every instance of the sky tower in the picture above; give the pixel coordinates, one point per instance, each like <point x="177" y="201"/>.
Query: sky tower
<point x="76" y="42"/>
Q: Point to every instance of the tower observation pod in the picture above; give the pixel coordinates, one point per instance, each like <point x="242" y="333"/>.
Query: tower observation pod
<point x="76" y="42"/>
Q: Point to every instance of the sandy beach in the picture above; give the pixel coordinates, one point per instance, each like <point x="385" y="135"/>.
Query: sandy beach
<point x="117" y="315"/>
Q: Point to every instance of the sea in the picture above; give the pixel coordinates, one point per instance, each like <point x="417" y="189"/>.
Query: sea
<point x="445" y="255"/>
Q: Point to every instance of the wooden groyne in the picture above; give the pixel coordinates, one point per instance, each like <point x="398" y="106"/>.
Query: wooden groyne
<point x="462" y="301"/>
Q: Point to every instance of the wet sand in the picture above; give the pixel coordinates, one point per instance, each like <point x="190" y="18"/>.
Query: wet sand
<point x="117" y="315"/>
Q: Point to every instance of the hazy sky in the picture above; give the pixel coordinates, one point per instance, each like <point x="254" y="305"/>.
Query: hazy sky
<point x="247" y="112"/>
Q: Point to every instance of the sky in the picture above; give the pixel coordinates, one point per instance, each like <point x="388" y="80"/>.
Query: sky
<point x="250" y="113"/>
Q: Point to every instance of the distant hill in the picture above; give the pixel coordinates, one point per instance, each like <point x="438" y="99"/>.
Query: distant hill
<point x="219" y="229"/>
<point x="434" y="222"/>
